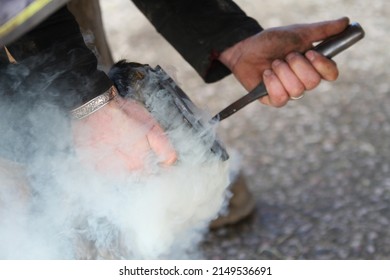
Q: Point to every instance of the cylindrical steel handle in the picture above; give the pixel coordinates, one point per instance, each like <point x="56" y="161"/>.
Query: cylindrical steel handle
<point x="337" y="43"/>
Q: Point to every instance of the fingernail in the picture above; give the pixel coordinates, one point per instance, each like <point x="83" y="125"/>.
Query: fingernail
<point x="310" y="55"/>
<point x="290" y="56"/>
<point x="267" y="73"/>
<point x="276" y="62"/>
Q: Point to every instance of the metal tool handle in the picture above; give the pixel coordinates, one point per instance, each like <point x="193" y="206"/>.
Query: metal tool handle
<point x="336" y="44"/>
<point x="329" y="48"/>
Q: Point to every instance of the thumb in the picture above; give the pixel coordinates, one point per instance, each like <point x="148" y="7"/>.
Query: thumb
<point x="161" y="145"/>
<point x="321" y="30"/>
<point x="158" y="140"/>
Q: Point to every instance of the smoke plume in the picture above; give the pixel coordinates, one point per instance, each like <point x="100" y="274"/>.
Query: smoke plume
<point x="52" y="206"/>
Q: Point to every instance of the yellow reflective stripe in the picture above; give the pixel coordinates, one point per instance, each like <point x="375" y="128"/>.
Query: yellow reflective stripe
<point x="23" y="16"/>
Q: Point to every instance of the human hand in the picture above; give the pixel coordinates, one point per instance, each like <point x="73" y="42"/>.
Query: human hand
<point x="279" y="58"/>
<point x="121" y="136"/>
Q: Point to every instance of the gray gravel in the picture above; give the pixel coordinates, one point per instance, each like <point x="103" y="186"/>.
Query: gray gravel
<point x="319" y="167"/>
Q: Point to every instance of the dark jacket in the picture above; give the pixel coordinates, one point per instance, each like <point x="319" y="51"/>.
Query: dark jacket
<point x="53" y="55"/>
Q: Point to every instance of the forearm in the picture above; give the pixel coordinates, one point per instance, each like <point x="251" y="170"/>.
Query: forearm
<point x="200" y="30"/>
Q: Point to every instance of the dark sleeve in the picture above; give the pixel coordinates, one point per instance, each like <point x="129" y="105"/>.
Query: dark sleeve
<point x="55" y="64"/>
<point x="200" y="30"/>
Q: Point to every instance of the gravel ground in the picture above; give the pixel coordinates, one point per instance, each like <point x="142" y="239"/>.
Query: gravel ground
<point x="319" y="167"/>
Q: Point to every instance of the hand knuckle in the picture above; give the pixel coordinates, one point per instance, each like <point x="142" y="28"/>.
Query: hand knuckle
<point x="279" y="100"/>
<point x="312" y="82"/>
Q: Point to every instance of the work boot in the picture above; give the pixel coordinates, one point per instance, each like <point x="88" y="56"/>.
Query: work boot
<point x="241" y="204"/>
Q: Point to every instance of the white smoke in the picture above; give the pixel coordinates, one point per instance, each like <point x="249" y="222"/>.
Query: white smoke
<point x="54" y="207"/>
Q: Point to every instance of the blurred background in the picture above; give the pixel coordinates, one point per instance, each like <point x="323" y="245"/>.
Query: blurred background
<point x="319" y="168"/>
